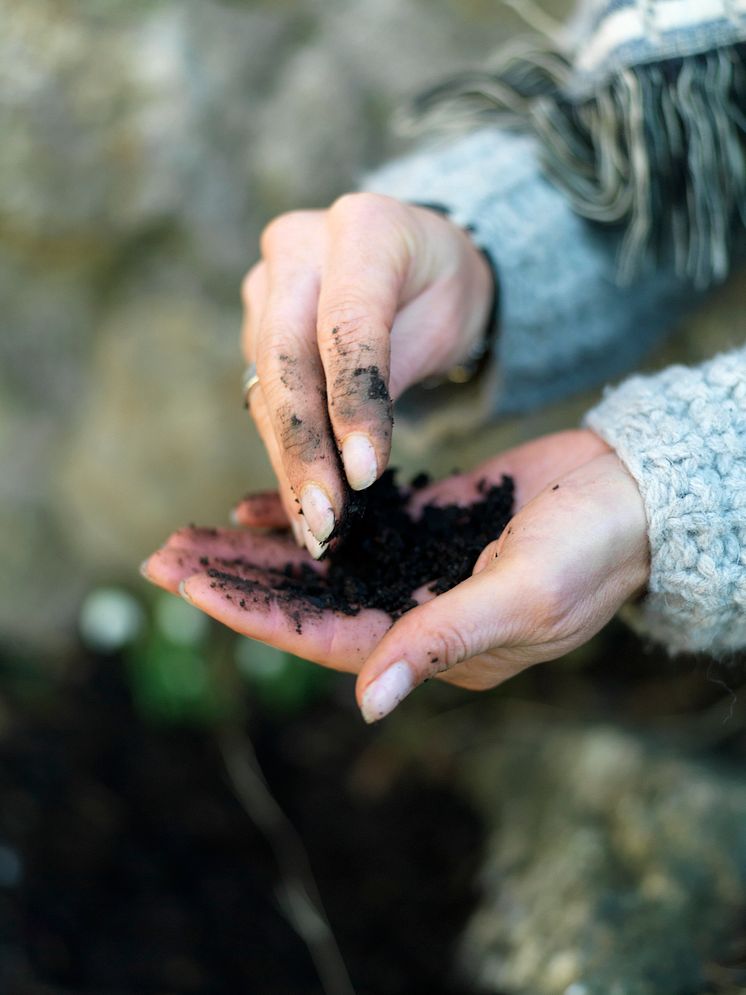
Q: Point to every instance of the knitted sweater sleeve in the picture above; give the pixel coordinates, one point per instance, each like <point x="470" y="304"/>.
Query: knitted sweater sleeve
<point x="564" y="323"/>
<point x="619" y="152"/>
<point x="682" y="435"/>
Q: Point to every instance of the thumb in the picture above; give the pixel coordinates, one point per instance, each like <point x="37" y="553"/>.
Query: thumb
<point x="485" y="611"/>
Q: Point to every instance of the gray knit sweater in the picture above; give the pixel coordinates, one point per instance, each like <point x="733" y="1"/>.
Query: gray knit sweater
<point x="567" y="321"/>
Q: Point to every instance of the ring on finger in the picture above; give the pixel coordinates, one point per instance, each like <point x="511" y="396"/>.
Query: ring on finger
<point x="249" y="379"/>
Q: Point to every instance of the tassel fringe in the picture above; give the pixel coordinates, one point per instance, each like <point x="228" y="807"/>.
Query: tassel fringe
<point x="659" y="149"/>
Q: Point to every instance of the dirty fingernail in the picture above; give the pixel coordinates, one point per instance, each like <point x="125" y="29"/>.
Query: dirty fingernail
<point x="144" y="568"/>
<point x="317" y="511"/>
<point x="312" y="544"/>
<point x="359" y="458"/>
<point x="183" y="592"/>
<point x="297" y="526"/>
<point x="385" y="692"/>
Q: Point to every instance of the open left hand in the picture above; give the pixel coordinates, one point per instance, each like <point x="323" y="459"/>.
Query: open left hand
<point x="573" y="553"/>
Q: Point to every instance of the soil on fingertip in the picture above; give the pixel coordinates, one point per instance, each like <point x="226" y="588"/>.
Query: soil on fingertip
<point x="385" y="554"/>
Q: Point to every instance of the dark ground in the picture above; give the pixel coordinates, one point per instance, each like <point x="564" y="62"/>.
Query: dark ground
<point x="141" y="873"/>
<point x="128" y="866"/>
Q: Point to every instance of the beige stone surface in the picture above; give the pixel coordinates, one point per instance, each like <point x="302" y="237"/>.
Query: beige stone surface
<point x="145" y="144"/>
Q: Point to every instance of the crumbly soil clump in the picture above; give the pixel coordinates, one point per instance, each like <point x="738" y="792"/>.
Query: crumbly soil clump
<point x="384" y="554"/>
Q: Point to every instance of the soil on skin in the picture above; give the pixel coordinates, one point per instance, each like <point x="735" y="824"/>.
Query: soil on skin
<point x="385" y="555"/>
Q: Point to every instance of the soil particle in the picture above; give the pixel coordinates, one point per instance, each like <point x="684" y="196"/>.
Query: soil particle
<point x="385" y="555"/>
<point x="356" y="386"/>
<point x="556" y="487"/>
<point x="420" y="481"/>
<point x="290" y="376"/>
<point x="304" y="441"/>
<point x="377" y="389"/>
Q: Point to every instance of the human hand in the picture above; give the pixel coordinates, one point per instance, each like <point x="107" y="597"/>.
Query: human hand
<point x="573" y="553"/>
<point x="346" y="309"/>
<point x="563" y="566"/>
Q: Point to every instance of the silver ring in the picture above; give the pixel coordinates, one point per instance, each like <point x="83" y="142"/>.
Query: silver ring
<point x="248" y="380"/>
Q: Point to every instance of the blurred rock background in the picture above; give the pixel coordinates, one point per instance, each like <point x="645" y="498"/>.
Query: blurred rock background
<point x="145" y="144"/>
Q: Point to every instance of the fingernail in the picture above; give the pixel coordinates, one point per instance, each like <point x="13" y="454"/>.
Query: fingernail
<point x="297" y="526"/>
<point x="144" y="568"/>
<point x="312" y="544"/>
<point x="386" y="691"/>
<point x="317" y="511"/>
<point x="183" y="592"/>
<point x="233" y="516"/>
<point x="359" y="458"/>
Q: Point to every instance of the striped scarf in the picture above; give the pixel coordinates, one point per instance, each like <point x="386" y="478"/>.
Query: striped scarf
<point x="640" y="111"/>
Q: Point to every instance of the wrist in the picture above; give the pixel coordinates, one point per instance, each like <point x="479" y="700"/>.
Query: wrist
<point x="478" y="341"/>
<point x="478" y="288"/>
<point x="631" y="526"/>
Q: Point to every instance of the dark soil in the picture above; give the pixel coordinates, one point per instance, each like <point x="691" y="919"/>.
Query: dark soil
<point x="127" y="866"/>
<point x="385" y="554"/>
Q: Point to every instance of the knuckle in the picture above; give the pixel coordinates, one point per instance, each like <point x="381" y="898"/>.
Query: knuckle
<point x="364" y="208"/>
<point x="445" y="645"/>
<point x="276" y="344"/>
<point x="283" y="363"/>
<point x="301" y="439"/>
<point x="488" y="555"/>
<point x="280" y="342"/>
<point x="346" y="320"/>
<point x="250" y="284"/>
<point x="281" y="230"/>
<point x="355" y="204"/>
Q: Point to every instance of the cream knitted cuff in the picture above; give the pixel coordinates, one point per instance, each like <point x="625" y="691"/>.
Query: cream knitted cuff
<point x="682" y="435"/>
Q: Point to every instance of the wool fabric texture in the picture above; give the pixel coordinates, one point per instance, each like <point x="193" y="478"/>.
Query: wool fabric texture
<point x="607" y="182"/>
<point x="638" y="111"/>
<point x="565" y="323"/>
<point x="682" y="435"/>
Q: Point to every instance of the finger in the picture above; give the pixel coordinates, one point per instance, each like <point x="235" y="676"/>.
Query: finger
<point x="288" y="498"/>
<point x="535" y="464"/>
<point x="261" y="510"/>
<point x="194" y="550"/>
<point x="291" y="375"/>
<point x="254" y="292"/>
<point x="532" y="466"/>
<point x="253" y="297"/>
<point x="364" y="282"/>
<point x="490" y="609"/>
<point x="254" y="606"/>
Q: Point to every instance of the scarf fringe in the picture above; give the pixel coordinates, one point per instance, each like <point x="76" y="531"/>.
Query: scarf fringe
<point x="659" y="149"/>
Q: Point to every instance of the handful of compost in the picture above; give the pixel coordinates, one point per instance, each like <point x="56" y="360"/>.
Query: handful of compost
<point x="386" y="553"/>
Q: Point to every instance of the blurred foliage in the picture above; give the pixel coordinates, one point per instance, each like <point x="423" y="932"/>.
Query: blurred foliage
<point x="183" y="668"/>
